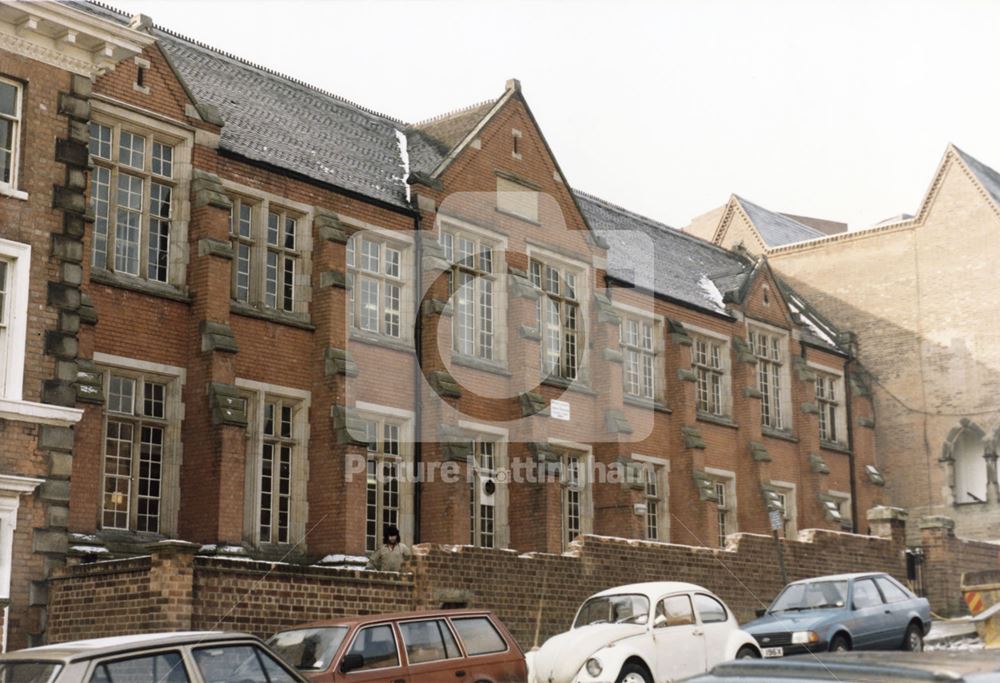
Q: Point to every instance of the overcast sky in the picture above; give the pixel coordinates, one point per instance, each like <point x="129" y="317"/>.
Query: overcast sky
<point x="838" y="109"/>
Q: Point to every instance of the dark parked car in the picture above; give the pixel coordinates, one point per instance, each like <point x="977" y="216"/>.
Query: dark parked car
<point x="186" y="657"/>
<point x="416" y="647"/>
<point x="869" y="611"/>
<point x="861" y="667"/>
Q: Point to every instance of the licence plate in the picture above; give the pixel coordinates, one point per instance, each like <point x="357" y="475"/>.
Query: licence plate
<point x="773" y="652"/>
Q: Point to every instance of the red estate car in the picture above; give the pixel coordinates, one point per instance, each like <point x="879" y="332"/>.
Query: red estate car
<point x="466" y="646"/>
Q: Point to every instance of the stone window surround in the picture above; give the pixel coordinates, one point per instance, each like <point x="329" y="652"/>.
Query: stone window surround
<point x="790" y="491"/>
<point x="728" y="478"/>
<point x="9" y="189"/>
<point x="584" y="291"/>
<point x="173" y="445"/>
<point x="787" y="414"/>
<point x="182" y="138"/>
<point x="12" y="345"/>
<point x="255" y="393"/>
<point x="501" y="437"/>
<point x="658" y="323"/>
<point x="663" y="466"/>
<point x="401" y="240"/>
<point x="586" y="453"/>
<point x="840" y="387"/>
<point x="404" y="418"/>
<point x="727" y="364"/>
<point x="507" y="185"/>
<point x="499" y="243"/>
<point x="11" y="489"/>
<point x="261" y="200"/>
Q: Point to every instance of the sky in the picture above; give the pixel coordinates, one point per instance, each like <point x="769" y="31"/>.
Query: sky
<point x="834" y="109"/>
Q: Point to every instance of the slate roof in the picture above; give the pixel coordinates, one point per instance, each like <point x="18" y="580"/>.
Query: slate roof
<point x="659" y="258"/>
<point x="989" y="178"/>
<point x="777" y="229"/>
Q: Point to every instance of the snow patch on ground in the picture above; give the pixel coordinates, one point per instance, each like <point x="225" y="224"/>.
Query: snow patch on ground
<point x="89" y="549"/>
<point x="344" y="559"/>
<point x="961" y="645"/>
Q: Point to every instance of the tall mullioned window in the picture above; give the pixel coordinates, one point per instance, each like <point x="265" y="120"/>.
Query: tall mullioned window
<point x="132" y="188"/>
<point x="829" y="404"/>
<point x="278" y="442"/>
<point x="638" y="344"/>
<point x="472" y="284"/>
<point x="574" y="499"/>
<point x="10" y="131"/>
<point x="560" y="320"/>
<point x="709" y="367"/>
<point x="482" y="494"/>
<point x="384" y="467"/>
<point x="655" y="502"/>
<point x="266" y="251"/>
<point x="135" y="429"/>
<point x="769" y="350"/>
<point x="722" y="511"/>
<point x="375" y="285"/>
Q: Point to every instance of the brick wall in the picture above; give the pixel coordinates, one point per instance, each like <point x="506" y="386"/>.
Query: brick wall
<point x="175" y="589"/>
<point x="946" y="559"/>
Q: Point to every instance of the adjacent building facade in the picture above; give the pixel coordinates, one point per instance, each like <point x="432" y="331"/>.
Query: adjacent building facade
<point x="924" y="330"/>
<point x="258" y="317"/>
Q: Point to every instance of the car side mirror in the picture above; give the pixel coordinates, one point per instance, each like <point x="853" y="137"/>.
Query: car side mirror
<point x="761" y="612"/>
<point x="351" y="662"/>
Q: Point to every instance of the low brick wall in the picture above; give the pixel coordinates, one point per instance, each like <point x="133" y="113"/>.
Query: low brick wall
<point x="946" y="558"/>
<point x="175" y="589"/>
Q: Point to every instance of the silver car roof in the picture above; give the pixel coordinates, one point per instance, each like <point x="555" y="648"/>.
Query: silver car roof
<point x="100" y="647"/>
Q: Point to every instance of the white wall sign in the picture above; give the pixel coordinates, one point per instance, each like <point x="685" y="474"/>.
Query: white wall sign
<point x="559" y="410"/>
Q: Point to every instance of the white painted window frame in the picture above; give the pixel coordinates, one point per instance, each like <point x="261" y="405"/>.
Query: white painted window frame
<point x="728" y="479"/>
<point x="11" y="490"/>
<point x="586" y="453"/>
<point x="9" y="188"/>
<point x="403" y="418"/>
<point x="841" y="389"/>
<point x="256" y="394"/>
<point x="790" y="491"/>
<point x="13" y="338"/>
<point x="787" y="414"/>
<point x="400" y="241"/>
<point x="657" y="323"/>
<point x="727" y="365"/>
<point x="500" y="436"/>
<point x="584" y="289"/>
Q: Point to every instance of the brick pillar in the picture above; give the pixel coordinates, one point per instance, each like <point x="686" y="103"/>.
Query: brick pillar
<point x="889" y="523"/>
<point x="171" y="585"/>
<point x="942" y="570"/>
<point x="213" y="472"/>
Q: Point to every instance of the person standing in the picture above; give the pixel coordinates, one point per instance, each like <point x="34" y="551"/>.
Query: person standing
<point x="390" y="557"/>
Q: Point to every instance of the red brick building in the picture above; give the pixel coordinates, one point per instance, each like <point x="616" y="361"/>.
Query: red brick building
<point x="277" y="305"/>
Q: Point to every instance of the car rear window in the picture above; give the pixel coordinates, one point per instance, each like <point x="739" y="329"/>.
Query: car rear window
<point x="308" y="649"/>
<point x="243" y="663"/>
<point x="165" y="667"/>
<point x="865" y="594"/>
<point x="428" y="641"/>
<point x="479" y="636"/>
<point x="28" y="672"/>
<point x="709" y="609"/>
<point x="891" y="591"/>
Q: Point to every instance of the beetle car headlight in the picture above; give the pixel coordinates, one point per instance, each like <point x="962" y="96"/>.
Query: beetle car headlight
<point x="594" y="667"/>
<point x="805" y="637"/>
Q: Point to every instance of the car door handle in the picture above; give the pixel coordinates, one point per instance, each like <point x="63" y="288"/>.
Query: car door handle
<point x="459" y="674"/>
<point x="697" y="632"/>
<point x="399" y="680"/>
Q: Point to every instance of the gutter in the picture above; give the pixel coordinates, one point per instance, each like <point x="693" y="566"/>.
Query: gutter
<point x="418" y="327"/>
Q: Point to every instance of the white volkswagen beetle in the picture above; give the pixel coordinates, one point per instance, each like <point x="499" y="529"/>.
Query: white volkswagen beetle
<point x="643" y="633"/>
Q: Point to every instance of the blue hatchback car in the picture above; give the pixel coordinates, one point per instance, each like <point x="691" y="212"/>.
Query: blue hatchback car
<point x="869" y="611"/>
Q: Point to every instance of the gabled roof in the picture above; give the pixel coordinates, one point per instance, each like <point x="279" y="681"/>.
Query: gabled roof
<point x="776" y="229"/>
<point x="658" y="258"/>
<point x="987" y="177"/>
<point x="283" y="122"/>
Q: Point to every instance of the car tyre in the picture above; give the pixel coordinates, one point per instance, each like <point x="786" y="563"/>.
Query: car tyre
<point x="633" y="673"/>
<point x="840" y="643"/>
<point x="913" y="641"/>
<point x="748" y="652"/>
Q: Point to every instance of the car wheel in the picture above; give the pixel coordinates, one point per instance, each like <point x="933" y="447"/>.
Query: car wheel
<point x="748" y="652"/>
<point x="633" y="673"/>
<point x="914" y="639"/>
<point x="840" y="643"/>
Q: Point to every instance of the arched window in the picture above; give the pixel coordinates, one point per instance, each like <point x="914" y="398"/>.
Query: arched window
<point x="970" y="469"/>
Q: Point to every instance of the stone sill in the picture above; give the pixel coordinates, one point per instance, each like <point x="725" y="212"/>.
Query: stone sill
<point x="163" y="291"/>
<point x="298" y="320"/>
<point x="38" y="413"/>
<point x="529" y="221"/>
<point x="776" y="434"/>
<point x="479" y="364"/>
<point x="835" y="447"/>
<point x="720" y="420"/>
<point x="646" y="403"/>
<point x="8" y="191"/>
<point x="560" y="383"/>
<point x="384" y="342"/>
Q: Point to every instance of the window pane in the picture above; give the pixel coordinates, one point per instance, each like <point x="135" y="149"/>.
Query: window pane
<point x="674" y="611"/>
<point x="377" y="645"/>
<point x="8" y="99"/>
<point x="288" y="285"/>
<point x="290" y="226"/>
<point x="100" y="141"/>
<point x="479" y="636"/>
<point x="273" y="225"/>
<point x="709" y="609"/>
<point x="392" y="260"/>
<point x="159" y="232"/>
<point x="230" y="663"/>
<point x="166" y="667"/>
<point x="865" y="594"/>
<point x="100" y="193"/>
<point x="424" y="641"/>
<point x="3" y="292"/>
<point x="163" y="159"/>
<point x="129" y="224"/>
<point x="131" y="149"/>
<point x="271" y="280"/>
